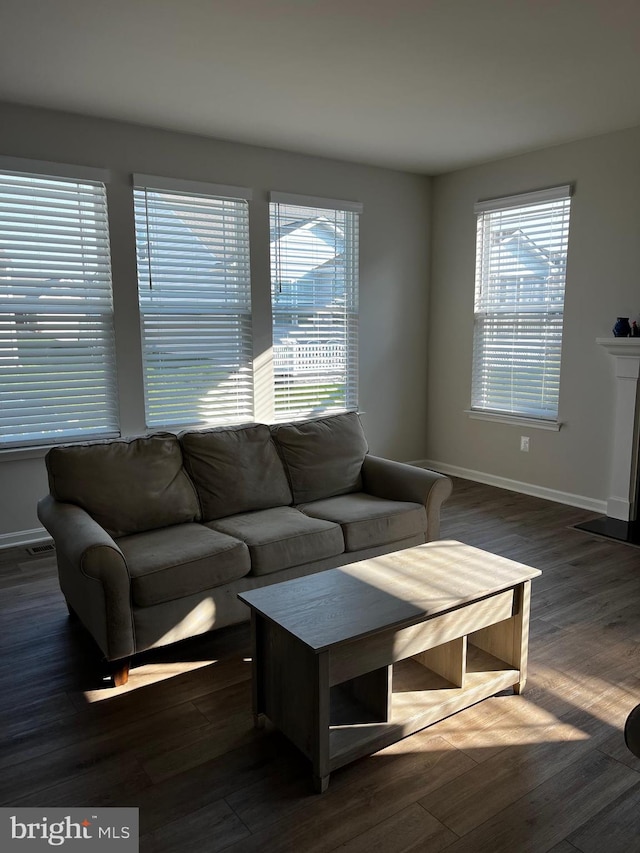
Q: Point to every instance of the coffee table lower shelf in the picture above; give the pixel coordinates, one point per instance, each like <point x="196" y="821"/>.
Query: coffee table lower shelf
<point x="420" y="698"/>
<point x="334" y="724"/>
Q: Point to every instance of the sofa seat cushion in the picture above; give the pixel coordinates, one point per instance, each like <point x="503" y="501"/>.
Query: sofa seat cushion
<point x="235" y="469"/>
<point x="126" y="485"/>
<point x="323" y="457"/>
<point x="368" y="521"/>
<point x="282" y="537"/>
<point x="180" y="560"/>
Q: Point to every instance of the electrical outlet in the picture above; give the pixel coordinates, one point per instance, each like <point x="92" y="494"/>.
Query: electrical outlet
<point x="524" y="443"/>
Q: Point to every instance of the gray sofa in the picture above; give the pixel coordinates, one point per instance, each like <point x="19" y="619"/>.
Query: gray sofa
<point x="156" y="535"/>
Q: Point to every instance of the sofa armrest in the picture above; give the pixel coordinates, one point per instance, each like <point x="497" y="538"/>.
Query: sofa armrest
<point x="93" y="575"/>
<point x="400" y="481"/>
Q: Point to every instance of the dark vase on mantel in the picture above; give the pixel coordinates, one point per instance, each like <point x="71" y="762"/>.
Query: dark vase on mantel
<point x="622" y="329"/>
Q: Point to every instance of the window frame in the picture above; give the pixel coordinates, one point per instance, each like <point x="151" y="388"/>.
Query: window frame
<point x="327" y="349"/>
<point x="241" y="388"/>
<point x="63" y="255"/>
<point x="527" y="298"/>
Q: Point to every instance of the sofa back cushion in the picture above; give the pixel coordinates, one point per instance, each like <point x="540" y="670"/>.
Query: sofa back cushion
<point x="126" y="485"/>
<point x="235" y="469"/>
<point x="323" y="457"/>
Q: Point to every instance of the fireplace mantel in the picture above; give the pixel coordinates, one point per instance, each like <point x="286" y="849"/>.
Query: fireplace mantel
<point x="624" y="458"/>
<point x="625" y="347"/>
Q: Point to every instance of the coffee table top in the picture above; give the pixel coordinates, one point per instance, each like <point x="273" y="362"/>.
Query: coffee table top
<point x="337" y="605"/>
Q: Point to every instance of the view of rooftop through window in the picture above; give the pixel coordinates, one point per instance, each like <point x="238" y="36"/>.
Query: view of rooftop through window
<point x="314" y="292"/>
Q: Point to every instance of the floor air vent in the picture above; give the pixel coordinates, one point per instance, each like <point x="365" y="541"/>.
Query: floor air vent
<point x="45" y="548"/>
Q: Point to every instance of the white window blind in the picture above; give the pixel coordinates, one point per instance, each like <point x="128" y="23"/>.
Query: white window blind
<point x="314" y="284"/>
<point x="57" y="357"/>
<point x="521" y="261"/>
<point x="195" y="304"/>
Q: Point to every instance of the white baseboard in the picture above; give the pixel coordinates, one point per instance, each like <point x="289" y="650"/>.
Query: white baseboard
<point x="24" y="537"/>
<point x="516" y="486"/>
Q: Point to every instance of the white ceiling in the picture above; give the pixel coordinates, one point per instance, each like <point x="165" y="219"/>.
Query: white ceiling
<point x="421" y="85"/>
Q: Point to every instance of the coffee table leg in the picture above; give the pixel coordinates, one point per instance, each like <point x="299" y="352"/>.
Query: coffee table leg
<point x="519" y="687"/>
<point x="320" y="784"/>
<point x="522" y="635"/>
<point x="257" y="688"/>
<point x="320" y="723"/>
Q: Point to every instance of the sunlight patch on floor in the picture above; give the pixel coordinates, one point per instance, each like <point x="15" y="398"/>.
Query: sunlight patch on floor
<point x="144" y="676"/>
<point x="508" y="733"/>
<point x="514" y="722"/>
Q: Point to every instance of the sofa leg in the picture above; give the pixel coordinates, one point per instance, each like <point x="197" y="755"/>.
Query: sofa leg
<point x="120" y="671"/>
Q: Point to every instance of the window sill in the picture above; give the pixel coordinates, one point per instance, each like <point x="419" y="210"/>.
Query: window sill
<point x="15" y="454"/>
<point x="514" y="420"/>
<point x="39" y="451"/>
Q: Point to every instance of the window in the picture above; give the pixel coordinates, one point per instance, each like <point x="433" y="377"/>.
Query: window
<point x="521" y="261"/>
<point x="57" y="356"/>
<point x="314" y="294"/>
<point x="195" y="302"/>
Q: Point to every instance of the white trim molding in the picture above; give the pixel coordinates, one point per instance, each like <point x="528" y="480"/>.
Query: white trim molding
<point x="625" y="465"/>
<point x="315" y="201"/>
<point x="522" y="199"/>
<point x="36" y="535"/>
<point x="54" y="170"/>
<point x="514" y="420"/>
<point x="591" y="504"/>
<point x="177" y="185"/>
<point x="623" y="347"/>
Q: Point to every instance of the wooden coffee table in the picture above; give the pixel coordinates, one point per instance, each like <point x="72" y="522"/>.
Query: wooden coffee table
<point x="350" y="660"/>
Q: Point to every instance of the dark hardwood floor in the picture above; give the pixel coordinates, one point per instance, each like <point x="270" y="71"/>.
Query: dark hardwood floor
<point x="545" y="771"/>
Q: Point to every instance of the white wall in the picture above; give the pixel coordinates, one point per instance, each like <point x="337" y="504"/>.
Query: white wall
<point x="394" y="263"/>
<point x="603" y="282"/>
